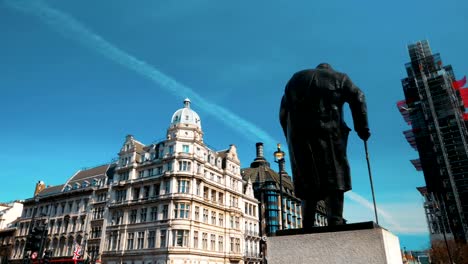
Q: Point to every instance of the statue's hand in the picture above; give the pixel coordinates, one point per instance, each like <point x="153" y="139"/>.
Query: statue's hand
<point x="364" y="134"/>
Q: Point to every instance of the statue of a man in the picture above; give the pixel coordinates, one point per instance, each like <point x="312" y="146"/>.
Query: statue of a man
<point x="311" y="116"/>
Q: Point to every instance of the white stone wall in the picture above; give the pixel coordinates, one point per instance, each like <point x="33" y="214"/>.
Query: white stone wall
<point x="10" y="213"/>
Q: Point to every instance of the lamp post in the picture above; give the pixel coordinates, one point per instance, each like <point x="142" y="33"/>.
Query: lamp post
<point x="279" y="158"/>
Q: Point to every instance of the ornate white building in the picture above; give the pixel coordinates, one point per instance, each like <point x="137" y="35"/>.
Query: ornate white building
<point x="178" y="201"/>
<point x="175" y="201"/>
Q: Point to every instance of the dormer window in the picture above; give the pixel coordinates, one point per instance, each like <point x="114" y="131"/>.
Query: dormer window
<point x="85" y="184"/>
<point x="76" y="185"/>
<point x="95" y="182"/>
<point x="67" y="188"/>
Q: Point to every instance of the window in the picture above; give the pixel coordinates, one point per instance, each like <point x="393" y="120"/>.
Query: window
<point x="151" y="239"/>
<point x="165" y="211"/>
<point x="117" y="217"/>
<point x="101" y="197"/>
<point x="169" y="166"/>
<point x="154" y="213"/>
<point x="167" y="185"/>
<point x="205" y="215"/>
<point x="220" y="243"/>
<point x="231" y="244"/>
<point x="181" y="210"/>
<point x="162" y="238"/>
<point x="123" y="176"/>
<point x="121" y="195"/>
<point x="156" y="188"/>
<point x="237" y="220"/>
<point x="197" y="187"/>
<point x="185" y="148"/>
<point x="237" y="248"/>
<point x="183" y="186"/>
<point x="159" y="170"/>
<point x="132" y="216"/>
<point x="130" y="237"/>
<point x="143" y="215"/>
<point x="231" y="221"/>
<point x="170" y="150"/>
<point x="141" y="174"/>
<point x="213" y="242"/>
<point x="136" y="193"/>
<point x="213" y="217"/>
<point x="221" y="220"/>
<point x="185" y="165"/>
<point x="180" y="238"/>
<point x="205" y="241"/>
<point x="146" y="192"/>
<point x="197" y="213"/>
<point x="195" y="239"/>
<point x="213" y="196"/>
<point x="96" y="232"/>
<point x="221" y="198"/>
<point x="205" y="192"/>
<point x="140" y="240"/>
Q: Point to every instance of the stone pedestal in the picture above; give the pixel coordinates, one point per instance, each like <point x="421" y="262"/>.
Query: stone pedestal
<point x="353" y="243"/>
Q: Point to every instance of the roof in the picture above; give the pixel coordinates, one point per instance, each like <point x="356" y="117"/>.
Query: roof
<point x="264" y="173"/>
<point x="95" y="172"/>
<point x="80" y="177"/>
<point x="186" y="115"/>
<point x="51" y="190"/>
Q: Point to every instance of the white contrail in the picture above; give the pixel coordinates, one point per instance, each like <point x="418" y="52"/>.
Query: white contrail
<point x="73" y="29"/>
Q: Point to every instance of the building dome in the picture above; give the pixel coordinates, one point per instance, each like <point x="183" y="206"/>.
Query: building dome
<point x="186" y="116"/>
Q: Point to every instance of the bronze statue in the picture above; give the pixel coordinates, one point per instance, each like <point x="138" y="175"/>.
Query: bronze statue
<point x="311" y="116"/>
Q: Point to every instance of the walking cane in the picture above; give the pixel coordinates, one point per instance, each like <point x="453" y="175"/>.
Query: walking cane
<point x="371" y="183"/>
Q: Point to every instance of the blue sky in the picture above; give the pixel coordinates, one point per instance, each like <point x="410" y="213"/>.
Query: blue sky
<point x="77" y="76"/>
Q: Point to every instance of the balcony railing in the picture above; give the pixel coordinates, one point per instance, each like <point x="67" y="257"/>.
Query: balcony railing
<point x="251" y="233"/>
<point x="252" y="254"/>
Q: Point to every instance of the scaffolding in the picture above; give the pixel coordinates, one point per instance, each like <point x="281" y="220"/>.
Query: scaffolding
<point x="434" y="107"/>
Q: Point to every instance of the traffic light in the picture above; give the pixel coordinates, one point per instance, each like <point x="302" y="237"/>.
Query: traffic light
<point x="36" y="240"/>
<point x="28" y="246"/>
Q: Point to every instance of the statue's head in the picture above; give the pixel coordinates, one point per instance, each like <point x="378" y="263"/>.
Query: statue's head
<point x="324" y="65"/>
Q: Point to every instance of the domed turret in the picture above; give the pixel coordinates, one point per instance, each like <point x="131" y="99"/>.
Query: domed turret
<point x="186" y="116"/>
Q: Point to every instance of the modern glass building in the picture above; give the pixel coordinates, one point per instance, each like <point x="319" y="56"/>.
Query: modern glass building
<point x="266" y="185"/>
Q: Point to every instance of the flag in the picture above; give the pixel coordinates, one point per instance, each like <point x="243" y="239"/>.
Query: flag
<point x="77" y="252"/>
<point x="459" y="84"/>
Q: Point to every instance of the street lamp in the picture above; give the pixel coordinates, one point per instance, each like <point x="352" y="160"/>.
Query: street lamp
<point x="279" y="158"/>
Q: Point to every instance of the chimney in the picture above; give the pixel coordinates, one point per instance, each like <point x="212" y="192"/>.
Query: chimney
<point x="260" y="159"/>
<point x="40" y="186"/>
<point x="259" y="147"/>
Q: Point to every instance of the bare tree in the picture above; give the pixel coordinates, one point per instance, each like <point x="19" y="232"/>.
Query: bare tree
<point x="458" y="252"/>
